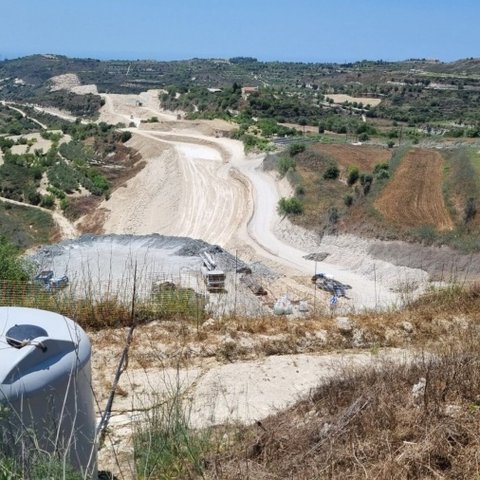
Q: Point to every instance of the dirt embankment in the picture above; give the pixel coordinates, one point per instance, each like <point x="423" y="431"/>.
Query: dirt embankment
<point x="414" y="197"/>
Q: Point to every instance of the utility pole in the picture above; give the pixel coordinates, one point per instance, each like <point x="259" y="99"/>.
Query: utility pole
<point x="235" y="287"/>
<point x="315" y="289"/>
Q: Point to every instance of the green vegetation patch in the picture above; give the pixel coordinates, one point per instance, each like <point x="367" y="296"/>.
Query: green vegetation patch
<point x="25" y="226"/>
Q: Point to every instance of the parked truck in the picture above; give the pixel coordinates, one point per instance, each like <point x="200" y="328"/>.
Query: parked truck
<point x="49" y="282"/>
<point x="213" y="277"/>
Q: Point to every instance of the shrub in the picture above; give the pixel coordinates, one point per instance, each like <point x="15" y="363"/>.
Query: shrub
<point x="12" y="267"/>
<point x="295" y="149"/>
<point x="391" y="144"/>
<point x="36" y="464"/>
<point x="299" y="190"/>
<point x="331" y="173"/>
<point x="290" y="206"/>
<point x="426" y="234"/>
<point x="64" y="203"/>
<point x="47" y="201"/>
<point x="380" y="166"/>
<point x="125" y="136"/>
<point x="166" y="446"/>
<point x="366" y="181"/>
<point x="333" y="216"/>
<point x="363" y="137"/>
<point x="285" y="164"/>
<point x="383" y="174"/>
<point x="63" y="177"/>
<point x="470" y="210"/>
<point x="33" y="197"/>
<point x="353" y="175"/>
<point x="348" y="200"/>
<point x="56" y="192"/>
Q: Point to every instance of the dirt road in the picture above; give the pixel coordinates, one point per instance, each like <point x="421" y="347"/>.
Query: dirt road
<point x="67" y="229"/>
<point x="41" y="125"/>
<point x="184" y="190"/>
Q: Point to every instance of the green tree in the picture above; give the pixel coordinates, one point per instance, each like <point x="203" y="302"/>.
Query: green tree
<point x="12" y="267"/>
<point x="290" y="206"/>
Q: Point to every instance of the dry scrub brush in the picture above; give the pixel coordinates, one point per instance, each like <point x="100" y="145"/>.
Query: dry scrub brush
<point x="369" y="424"/>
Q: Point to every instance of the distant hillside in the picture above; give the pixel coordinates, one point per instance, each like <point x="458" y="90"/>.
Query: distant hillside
<point x="430" y="97"/>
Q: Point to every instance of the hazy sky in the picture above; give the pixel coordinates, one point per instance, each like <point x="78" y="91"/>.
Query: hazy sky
<point x="303" y="30"/>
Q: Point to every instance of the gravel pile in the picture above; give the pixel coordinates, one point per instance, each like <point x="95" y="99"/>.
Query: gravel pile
<point x="109" y="262"/>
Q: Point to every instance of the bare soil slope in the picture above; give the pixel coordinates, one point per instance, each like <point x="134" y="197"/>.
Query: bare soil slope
<point x="414" y="197"/>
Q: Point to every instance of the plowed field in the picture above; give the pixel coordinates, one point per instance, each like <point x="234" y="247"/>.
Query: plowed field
<point x="365" y="157"/>
<point x="414" y="196"/>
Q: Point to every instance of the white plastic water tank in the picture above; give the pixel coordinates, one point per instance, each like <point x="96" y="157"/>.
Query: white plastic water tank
<point x="45" y="386"/>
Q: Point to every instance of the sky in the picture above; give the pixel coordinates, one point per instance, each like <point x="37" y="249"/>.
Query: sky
<point x="284" y="30"/>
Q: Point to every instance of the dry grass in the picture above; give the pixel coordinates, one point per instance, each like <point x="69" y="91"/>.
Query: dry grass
<point x="434" y="318"/>
<point x="365" y="423"/>
<point x="370" y="425"/>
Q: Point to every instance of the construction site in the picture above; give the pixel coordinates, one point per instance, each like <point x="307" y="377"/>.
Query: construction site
<point x="232" y="304"/>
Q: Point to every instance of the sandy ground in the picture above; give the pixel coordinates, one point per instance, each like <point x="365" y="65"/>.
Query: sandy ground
<point x="340" y="98"/>
<point x="133" y="108"/>
<point x="40" y="143"/>
<point x="71" y="82"/>
<point x="216" y="394"/>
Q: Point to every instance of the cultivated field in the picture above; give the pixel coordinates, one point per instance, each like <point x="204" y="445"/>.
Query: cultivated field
<point x="364" y="157"/>
<point x="414" y="197"/>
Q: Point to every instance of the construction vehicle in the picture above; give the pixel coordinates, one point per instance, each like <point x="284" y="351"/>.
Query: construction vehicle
<point x="328" y="283"/>
<point x="213" y="277"/>
<point x="47" y="280"/>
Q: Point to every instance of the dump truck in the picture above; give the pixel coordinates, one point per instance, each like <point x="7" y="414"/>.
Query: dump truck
<point x="213" y="277"/>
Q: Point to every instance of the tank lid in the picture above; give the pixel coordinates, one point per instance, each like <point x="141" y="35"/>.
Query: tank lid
<point x="20" y="335"/>
<point x="37" y="346"/>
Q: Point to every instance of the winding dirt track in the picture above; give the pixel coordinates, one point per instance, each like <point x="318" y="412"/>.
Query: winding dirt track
<point x="185" y="190"/>
<point x="67" y="229"/>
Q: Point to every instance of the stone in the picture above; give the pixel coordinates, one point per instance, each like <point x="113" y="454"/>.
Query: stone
<point x="407" y="327"/>
<point x="358" y="340"/>
<point x="208" y="324"/>
<point x="344" y="325"/>
<point x="418" y="390"/>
